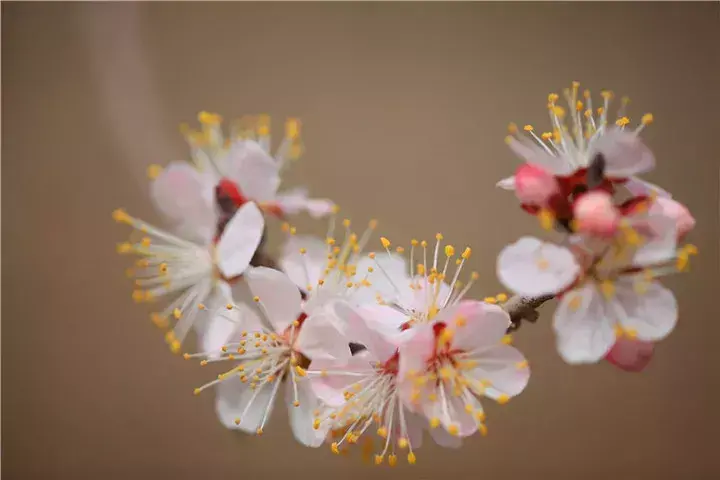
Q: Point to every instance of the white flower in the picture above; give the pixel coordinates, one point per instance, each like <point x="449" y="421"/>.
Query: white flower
<point x="241" y="168"/>
<point x="269" y="349"/>
<point x="448" y="365"/>
<point x="193" y="272"/>
<point x="419" y="295"/>
<point x="608" y="286"/>
<point x="338" y="269"/>
<point x="571" y="147"/>
<point x="361" y="391"/>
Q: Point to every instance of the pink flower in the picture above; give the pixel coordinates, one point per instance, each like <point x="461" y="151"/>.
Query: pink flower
<point x="534" y="185"/>
<point x="596" y="214"/>
<point x="630" y="354"/>
<point x="678" y="212"/>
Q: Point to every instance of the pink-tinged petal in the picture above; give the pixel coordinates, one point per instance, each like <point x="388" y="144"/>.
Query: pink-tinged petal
<point x="414" y="352"/>
<point x="645" y="307"/>
<point x="534" y="185"/>
<point x="278" y="296"/>
<point x="301" y="416"/>
<point x="444" y="439"/>
<point x="659" y="233"/>
<point x="684" y="221"/>
<point x="507" y="183"/>
<point x="585" y="330"/>
<point x="232" y="399"/>
<point x="255" y="172"/>
<point x="240" y="240"/>
<point x="475" y="324"/>
<point x="533" y="268"/>
<point x="304" y="269"/>
<point x="365" y="330"/>
<point x="631" y="355"/>
<point x="537" y="156"/>
<point x="415" y="425"/>
<point x="624" y="152"/>
<point x="385" y="320"/>
<point x="504" y="367"/>
<point x="330" y="388"/>
<point x="639" y="187"/>
<point x="320" y="337"/>
<point x="181" y="191"/>
<point x="450" y="411"/>
<point x="294" y="201"/>
<point x="595" y="214"/>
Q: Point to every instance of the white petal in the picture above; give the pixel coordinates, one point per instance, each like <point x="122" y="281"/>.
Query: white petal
<point x="415" y="351"/>
<point x="535" y="155"/>
<point x="444" y="439"/>
<point x="384" y="319"/>
<point x="420" y="297"/>
<point x="386" y="284"/>
<point x="232" y="398"/>
<point x="240" y="240"/>
<point x="365" y="330"/>
<point x="504" y="366"/>
<point x="534" y="268"/>
<point x="304" y="269"/>
<point x="279" y="297"/>
<point x="255" y="172"/>
<point x="660" y="233"/>
<point x="415" y="425"/>
<point x="584" y="327"/>
<point x="507" y="183"/>
<point x="640" y="187"/>
<point x="653" y="313"/>
<point x="296" y="200"/>
<point x="625" y="153"/>
<point x="301" y="417"/>
<point x="320" y="337"/>
<point x="475" y="324"/>
<point x="181" y="191"/>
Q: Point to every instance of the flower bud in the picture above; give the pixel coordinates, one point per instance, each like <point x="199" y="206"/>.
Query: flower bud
<point x="596" y="214"/>
<point x="534" y="185"/>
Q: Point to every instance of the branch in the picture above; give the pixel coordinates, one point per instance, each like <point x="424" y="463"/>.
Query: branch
<point x="524" y="308"/>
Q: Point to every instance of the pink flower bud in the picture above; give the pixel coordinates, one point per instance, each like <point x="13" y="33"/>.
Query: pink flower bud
<point x="684" y="220"/>
<point x="596" y="214"/>
<point x="533" y="185"/>
<point x="631" y="355"/>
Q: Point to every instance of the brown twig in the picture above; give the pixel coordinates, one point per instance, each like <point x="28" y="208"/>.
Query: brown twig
<point x="523" y="308"/>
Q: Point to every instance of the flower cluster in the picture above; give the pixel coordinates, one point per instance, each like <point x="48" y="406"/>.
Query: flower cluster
<point x="619" y="234"/>
<point x="377" y="347"/>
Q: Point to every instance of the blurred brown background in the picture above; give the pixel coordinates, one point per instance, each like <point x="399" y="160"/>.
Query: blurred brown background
<point x="405" y="108"/>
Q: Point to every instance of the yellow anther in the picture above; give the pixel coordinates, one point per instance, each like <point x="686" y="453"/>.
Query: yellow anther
<point x="385" y="242"/>
<point x="372" y="224"/>
<point x="579" y="106"/>
<point x="349" y="284"/>
<point x="503" y="399"/>
<point x="402" y="443"/>
<point x="411" y="458"/>
<point x="293" y="230"/>
<point x="330" y="241"/>
<point x="631" y="333"/>
<point x="292" y="128"/>
<point x="586" y="94"/>
<point x="382" y="432"/>
<point x="237" y="421"/>
<point x="449" y="250"/>
<point x="558" y="111"/>
<point x="607" y="287"/>
<point x="300" y="371"/>
<point x="378" y="459"/>
<point x="438" y="236"/>
<point x="154" y="171"/>
<point x="334" y="448"/>
<point x="175" y="346"/>
<point x="483" y="429"/>
<point x="316" y="423"/>
<point x="553" y="97"/>
<point x="647" y="119"/>
<point x="690" y="249"/>
<point x="256" y="299"/>
<point x="501" y="297"/>
<point x="259" y="431"/>
<point x="124" y="247"/>
<point x="421" y="269"/>
<point x="423" y="244"/>
<point x="621" y="122"/>
<point x="303" y="251"/>
<point x="371" y="255"/>
<point x="138" y="296"/>
<point x="547" y="219"/>
<point x="625" y="100"/>
<point x="528" y="128"/>
<point x="146" y="241"/>
<point x="453" y="430"/>
<point x="466" y="253"/>
<point x="461" y="321"/>
<point x="285" y="227"/>
<point x="490" y="300"/>
<point x="512" y="128"/>
<point x="207" y="118"/>
<point x="121" y="216"/>
<point x="619" y="332"/>
<point x="474" y="275"/>
<point x="522" y="365"/>
<point x="295" y="403"/>
<point x="434" y="422"/>
<point x="197" y="391"/>
<point x="159" y="320"/>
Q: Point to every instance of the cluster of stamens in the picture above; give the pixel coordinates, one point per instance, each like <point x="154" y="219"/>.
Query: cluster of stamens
<point x="168" y="265"/>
